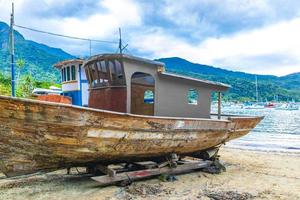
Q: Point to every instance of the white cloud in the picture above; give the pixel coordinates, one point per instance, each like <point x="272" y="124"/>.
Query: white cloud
<point x="274" y="49"/>
<point x="178" y="28"/>
<point x="102" y="25"/>
<point x="225" y="11"/>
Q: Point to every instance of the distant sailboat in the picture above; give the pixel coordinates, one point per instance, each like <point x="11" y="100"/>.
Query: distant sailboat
<point x="256" y="105"/>
<point x="256" y="89"/>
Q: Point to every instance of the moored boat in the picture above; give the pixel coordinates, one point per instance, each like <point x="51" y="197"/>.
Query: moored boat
<point x="288" y="106"/>
<point x="119" y="125"/>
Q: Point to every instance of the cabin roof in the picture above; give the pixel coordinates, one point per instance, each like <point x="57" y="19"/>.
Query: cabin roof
<point x="217" y="85"/>
<point x="66" y="62"/>
<point x="126" y="57"/>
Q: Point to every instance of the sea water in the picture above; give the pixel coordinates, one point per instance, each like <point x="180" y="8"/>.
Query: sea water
<point x="278" y="131"/>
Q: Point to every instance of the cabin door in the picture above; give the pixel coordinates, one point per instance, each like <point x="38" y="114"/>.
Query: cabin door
<point x="142" y="94"/>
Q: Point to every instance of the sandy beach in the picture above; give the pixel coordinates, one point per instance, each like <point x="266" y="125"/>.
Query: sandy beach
<point x="249" y="175"/>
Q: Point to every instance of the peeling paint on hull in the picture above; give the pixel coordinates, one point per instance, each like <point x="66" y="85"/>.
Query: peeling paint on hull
<point x="42" y="136"/>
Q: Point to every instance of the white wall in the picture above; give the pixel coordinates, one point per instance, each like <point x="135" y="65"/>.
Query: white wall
<point x="85" y="93"/>
<point x="70" y="86"/>
<point x="170" y="96"/>
<point x="173" y="98"/>
<point x="83" y="75"/>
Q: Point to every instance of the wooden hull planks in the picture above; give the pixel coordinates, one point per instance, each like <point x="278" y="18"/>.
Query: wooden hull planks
<point x="44" y="136"/>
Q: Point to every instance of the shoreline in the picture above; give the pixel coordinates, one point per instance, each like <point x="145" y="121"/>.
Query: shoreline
<point x="268" y="151"/>
<point x="249" y="175"/>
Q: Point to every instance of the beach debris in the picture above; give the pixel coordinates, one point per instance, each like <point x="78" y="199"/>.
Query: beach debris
<point x="167" y="178"/>
<point x="228" y="195"/>
<point x="142" y="189"/>
<point x="215" y="168"/>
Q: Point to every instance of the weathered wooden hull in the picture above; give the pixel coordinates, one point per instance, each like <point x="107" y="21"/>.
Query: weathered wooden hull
<point x="37" y="135"/>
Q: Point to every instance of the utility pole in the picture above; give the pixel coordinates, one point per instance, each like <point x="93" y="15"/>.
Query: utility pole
<point x="120" y="41"/>
<point x="12" y="51"/>
<point x="90" y="42"/>
<point x="121" y="47"/>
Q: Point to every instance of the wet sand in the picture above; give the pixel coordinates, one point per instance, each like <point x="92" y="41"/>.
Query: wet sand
<point x="249" y="175"/>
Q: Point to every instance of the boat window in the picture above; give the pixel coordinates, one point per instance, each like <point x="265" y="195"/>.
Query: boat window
<point x="68" y="74"/>
<point x="106" y="73"/>
<point x="94" y="74"/>
<point x="87" y="72"/>
<point x="112" y="69"/>
<point x="149" y="97"/>
<point x="63" y="75"/>
<point x="73" y="72"/>
<point x="103" y="66"/>
<point x="117" y="74"/>
<point x="98" y="73"/>
<point x="192" y="97"/>
<point x="120" y="78"/>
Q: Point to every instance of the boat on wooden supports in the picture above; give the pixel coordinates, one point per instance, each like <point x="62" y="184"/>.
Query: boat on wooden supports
<point x="43" y="136"/>
<point x="136" y="111"/>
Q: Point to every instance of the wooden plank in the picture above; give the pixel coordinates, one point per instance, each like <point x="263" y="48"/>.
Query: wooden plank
<point x="106" y="170"/>
<point x="146" y="164"/>
<point x="141" y="174"/>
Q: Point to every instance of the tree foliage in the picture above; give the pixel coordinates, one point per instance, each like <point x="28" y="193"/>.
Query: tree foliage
<point x="25" y="87"/>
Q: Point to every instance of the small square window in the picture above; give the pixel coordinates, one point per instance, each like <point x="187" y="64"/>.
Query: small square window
<point x="73" y="72"/>
<point x="149" y="97"/>
<point x="68" y="74"/>
<point x="192" y="97"/>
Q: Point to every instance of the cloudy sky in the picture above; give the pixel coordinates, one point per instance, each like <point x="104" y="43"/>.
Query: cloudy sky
<point x="256" y="36"/>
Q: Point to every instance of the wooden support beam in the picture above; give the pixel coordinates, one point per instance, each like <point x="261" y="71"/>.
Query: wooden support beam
<point x="106" y="170"/>
<point x="146" y="173"/>
<point x="146" y="164"/>
<point x="219" y="104"/>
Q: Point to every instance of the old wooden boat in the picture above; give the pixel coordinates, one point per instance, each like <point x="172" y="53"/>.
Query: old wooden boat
<point x="44" y="136"/>
<point x="38" y="135"/>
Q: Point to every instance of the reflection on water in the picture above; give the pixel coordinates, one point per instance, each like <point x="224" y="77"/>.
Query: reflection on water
<point x="278" y="131"/>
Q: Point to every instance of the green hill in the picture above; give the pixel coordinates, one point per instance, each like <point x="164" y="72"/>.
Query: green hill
<point x="285" y="88"/>
<point x="39" y="59"/>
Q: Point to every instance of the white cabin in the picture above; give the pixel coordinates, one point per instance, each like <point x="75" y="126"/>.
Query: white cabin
<point x="74" y="81"/>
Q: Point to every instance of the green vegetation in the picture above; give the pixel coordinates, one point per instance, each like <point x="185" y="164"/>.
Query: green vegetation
<point x="34" y="69"/>
<point x="242" y="89"/>
<point x="24" y="86"/>
<point x="31" y="57"/>
<point x="5" y="85"/>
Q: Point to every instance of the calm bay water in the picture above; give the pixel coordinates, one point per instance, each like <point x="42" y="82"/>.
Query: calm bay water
<point x="278" y="131"/>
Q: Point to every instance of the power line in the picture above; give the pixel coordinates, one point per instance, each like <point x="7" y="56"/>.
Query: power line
<point x="65" y="36"/>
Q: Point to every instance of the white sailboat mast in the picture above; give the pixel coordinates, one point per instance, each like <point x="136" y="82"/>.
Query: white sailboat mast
<point x="256" y="89"/>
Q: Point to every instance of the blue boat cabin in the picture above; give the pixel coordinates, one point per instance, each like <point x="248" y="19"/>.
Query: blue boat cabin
<point x="74" y="81"/>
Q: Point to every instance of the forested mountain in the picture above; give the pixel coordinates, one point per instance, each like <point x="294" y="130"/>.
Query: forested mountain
<point x="285" y="88"/>
<point x="39" y="59"/>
